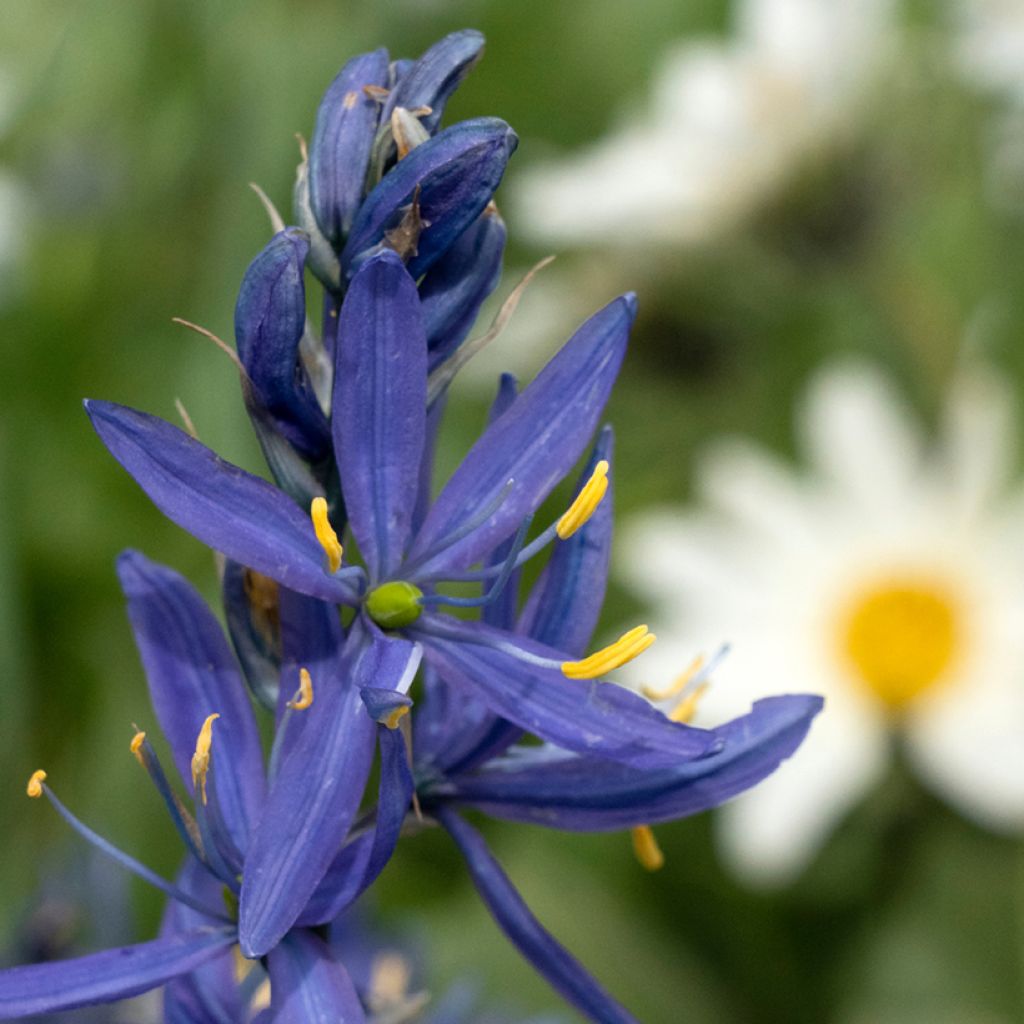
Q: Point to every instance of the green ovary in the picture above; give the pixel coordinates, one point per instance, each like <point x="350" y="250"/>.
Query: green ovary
<point x="393" y="605"/>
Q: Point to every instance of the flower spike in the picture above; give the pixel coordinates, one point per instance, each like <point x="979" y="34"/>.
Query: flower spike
<point x="580" y="511"/>
<point x="629" y="646"/>
<point x="201" y="758"/>
<point x="35" y="784"/>
<point x="325" y="534"/>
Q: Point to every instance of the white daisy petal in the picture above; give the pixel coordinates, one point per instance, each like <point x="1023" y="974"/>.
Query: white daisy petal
<point x="758" y="491"/>
<point x="980" y="440"/>
<point x="861" y="439"/>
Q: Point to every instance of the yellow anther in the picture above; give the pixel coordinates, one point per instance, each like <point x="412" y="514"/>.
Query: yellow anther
<point x="614" y="656"/>
<point x="325" y="534"/>
<point x="646" y="848"/>
<point x="396" y="716"/>
<point x="678" y="684"/>
<point x="304" y="698"/>
<point x="35" y="784"/>
<point x="586" y="502"/>
<point x="201" y="758"/>
<point x="390" y="975"/>
<point x="687" y="707"/>
<point x="136" y="746"/>
<point x="261" y="997"/>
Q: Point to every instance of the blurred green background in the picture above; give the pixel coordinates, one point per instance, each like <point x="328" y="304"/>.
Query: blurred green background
<point x="134" y="128"/>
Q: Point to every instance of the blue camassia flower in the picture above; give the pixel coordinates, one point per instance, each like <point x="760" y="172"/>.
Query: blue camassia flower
<point x="195" y="683"/>
<point x="379" y="425"/>
<point x="398" y="225"/>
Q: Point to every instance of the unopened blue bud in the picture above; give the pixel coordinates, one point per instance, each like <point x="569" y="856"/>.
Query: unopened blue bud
<point x="445" y="183"/>
<point x="346" y="124"/>
<point x="270" y="318"/>
<point x="431" y="80"/>
<point x="453" y="292"/>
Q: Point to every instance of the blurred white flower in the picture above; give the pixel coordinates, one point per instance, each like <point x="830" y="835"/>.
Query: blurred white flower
<point x="727" y="122"/>
<point x="889" y="578"/>
<point x="13" y="203"/>
<point x="990" y="44"/>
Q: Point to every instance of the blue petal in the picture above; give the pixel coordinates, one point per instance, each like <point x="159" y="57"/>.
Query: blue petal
<point x="192" y="674"/>
<point x="527" y="934"/>
<point x="565" y="604"/>
<point x="502" y="611"/>
<point x="362" y="860"/>
<point x="430" y="81"/>
<point x="534" y="443"/>
<point x="379" y="418"/>
<point x="311" y="639"/>
<point x="341" y="884"/>
<point x="425" y="486"/>
<point x="308" y="986"/>
<point x="339" y="153"/>
<point x="547" y="787"/>
<point x="108" y="976"/>
<point x="230" y="510"/>
<point x="590" y="717"/>
<point x="209" y="994"/>
<point x="318" y="790"/>
<point x="456" y="173"/>
<point x="270" y="318"/>
<point x="451" y="721"/>
<point x="459" y="282"/>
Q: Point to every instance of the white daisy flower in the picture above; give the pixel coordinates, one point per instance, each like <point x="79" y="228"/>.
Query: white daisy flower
<point x="727" y="122"/>
<point x="889" y="577"/>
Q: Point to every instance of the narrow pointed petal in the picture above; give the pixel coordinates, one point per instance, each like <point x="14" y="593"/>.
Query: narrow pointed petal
<point x="380" y="401"/>
<point x="339" y="152"/>
<point x="318" y="790"/>
<point x="356" y="868"/>
<point x="230" y="510"/>
<point x="450" y="723"/>
<point x="270" y="318"/>
<point x="587" y="716"/>
<point x="108" y="976"/>
<point x="565" y="604"/>
<point x="548" y="787"/>
<point x="308" y="986"/>
<point x="311" y="639"/>
<point x="502" y="611"/>
<point x="209" y="993"/>
<point x="527" y="934"/>
<point x="459" y="282"/>
<point x="535" y="443"/>
<point x="191" y="674"/>
<point x="431" y="80"/>
<point x="454" y="175"/>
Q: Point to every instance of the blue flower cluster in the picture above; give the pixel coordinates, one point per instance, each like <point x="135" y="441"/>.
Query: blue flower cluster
<point x="397" y="223"/>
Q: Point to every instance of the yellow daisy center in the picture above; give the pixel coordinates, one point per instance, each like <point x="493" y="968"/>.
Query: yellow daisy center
<point x="901" y="637"/>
